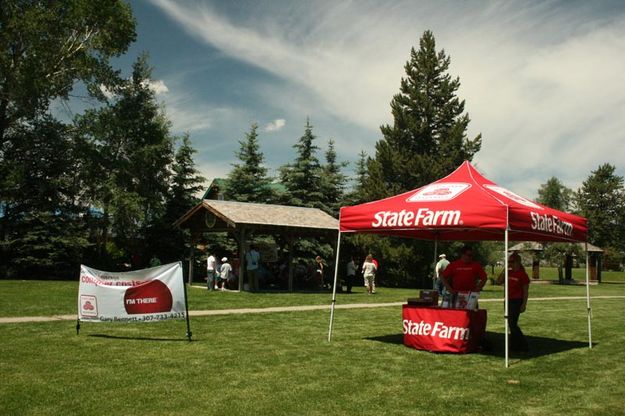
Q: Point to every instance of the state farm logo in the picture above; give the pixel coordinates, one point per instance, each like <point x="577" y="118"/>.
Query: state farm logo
<point x="151" y="297"/>
<point x="439" y="192"/>
<point x="88" y="305"/>
<point x="511" y="195"/>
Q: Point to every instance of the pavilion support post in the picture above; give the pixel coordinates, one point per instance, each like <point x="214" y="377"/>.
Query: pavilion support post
<point x="241" y="257"/>
<point x="589" y="310"/>
<point x="290" y="244"/>
<point x="435" y="254"/>
<point x="505" y="265"/>
<point x="191" y="259"/>
<point x="336" y="272"/>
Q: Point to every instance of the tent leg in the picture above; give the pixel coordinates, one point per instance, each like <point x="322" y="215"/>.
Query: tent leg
<point x="336" y="271"/>
<point x="505" y="265"/>
<point x="589" y="310"/>
<point x="435" y="261"/>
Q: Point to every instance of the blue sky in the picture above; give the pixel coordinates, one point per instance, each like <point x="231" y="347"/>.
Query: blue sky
<point x="544" y="82"/>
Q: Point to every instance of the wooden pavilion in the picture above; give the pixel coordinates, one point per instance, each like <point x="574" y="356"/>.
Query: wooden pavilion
<point x="243" y="219"/>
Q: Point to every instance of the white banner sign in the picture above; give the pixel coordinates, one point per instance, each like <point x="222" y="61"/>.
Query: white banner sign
<point x="146" y="295"/>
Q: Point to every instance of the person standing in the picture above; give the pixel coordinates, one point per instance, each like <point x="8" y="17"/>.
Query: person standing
<point x="350" y="274"/>
<point x="518" y="290"/>
<point x="211" y="266"/>
<point x="319" y="272"/>
<point x="225" y="272"/>
<point x="368" y="272"/>
<point x="377" y="269"/>
<point x="252" y="259"/>
<point x="464" y="274"/>
<point x="439" y="269"/>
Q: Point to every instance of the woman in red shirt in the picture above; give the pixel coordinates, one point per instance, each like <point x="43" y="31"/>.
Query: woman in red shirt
<point x="518" y="285"/>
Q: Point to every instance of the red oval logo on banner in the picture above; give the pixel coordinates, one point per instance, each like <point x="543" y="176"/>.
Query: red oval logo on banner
<point x="440" y="191"/>
<point x="151" y="297"/>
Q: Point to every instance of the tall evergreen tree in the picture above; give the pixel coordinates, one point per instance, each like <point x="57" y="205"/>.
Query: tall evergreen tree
<point x="163" y="240"/>
<point x="358" y="193"/>
<point x="186" y="182"/>
<point x="428" y="137"/>
<point x="302" y="178"/>
<point x="134" y="152"/>
<point x="42" y="233"/>
<point x="333" y="181"/>
<point x="426" y="141"/>
<point x="601" y="199"/>
<point x="248" y="180"/>
<point x="554" y="194"/>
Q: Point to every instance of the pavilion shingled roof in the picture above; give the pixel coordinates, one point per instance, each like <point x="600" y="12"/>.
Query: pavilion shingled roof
<point x="252" y="216"/>
<point x="277" y="215"/>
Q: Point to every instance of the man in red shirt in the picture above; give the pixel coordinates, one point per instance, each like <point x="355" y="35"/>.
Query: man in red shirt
<point x="464" y="274"/>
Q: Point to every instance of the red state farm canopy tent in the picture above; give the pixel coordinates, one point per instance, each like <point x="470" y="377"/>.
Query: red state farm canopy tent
<point x="462" y="206"/>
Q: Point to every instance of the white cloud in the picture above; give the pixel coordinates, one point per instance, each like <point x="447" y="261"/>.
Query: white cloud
<point x="158" y="86"/>
<point x="107" y="93"/>
<point x="541" y="80"/>
<point x="275" y="125"/>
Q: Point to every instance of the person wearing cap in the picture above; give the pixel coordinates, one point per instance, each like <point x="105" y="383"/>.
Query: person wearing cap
<point x="439" y="269"/>
<point x="224" y="272"/>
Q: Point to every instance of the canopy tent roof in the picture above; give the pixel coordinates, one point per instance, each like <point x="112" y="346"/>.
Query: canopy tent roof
<point x="215" y="215"/>
<point x="463" y="206"/>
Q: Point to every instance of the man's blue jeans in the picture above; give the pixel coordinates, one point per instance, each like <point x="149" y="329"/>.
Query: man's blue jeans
<point x="210" y="279"/>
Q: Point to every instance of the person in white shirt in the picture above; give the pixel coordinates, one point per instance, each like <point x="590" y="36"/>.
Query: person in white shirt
<point x="439" y="269"/>
<point x="368" y="272"/>
<point x="225" y="272"/>
<point x="211" y="265"/>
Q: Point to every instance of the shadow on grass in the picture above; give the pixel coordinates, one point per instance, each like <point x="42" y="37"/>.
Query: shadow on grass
<point x="539" y="346"/>
<point x="389" y="339"/>
<point x="139" y="338"/>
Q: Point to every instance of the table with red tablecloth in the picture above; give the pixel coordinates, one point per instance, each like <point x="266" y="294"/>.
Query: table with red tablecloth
<point x="437" y="329"/>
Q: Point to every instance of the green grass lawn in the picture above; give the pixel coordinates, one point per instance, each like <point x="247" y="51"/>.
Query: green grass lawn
<point x="45" y="298"/>
<point x="281" y="363"/>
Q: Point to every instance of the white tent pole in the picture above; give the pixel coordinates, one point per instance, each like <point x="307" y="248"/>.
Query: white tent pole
<point x="336" y="272"/>
<point x="588" y="298"/>
<point x="505" y="265"/>
<point x="435" y="254"/>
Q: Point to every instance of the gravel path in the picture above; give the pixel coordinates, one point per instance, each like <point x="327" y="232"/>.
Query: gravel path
<point x="25" y="319"/>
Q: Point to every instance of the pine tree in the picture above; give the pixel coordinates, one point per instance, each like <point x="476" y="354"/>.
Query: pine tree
<point x="248" y="180"/>
<point x="132" y="152"/>
<point x="304" y="188"/>
<point x="554" y="194"/>
<point x="163" y="240"/>
<point x="601" y="199"/>
<point x="428" y="137"/>
<point x="333" y="181"/>
<point x="302" y="178"/>
<point x="186" y="182"/>
<point x="42" y="232"/>
<point x="358" y="191"/>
